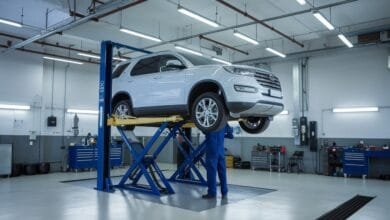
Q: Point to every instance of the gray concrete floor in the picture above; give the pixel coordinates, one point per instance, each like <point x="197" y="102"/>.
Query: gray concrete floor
<point x="302" y="196"/>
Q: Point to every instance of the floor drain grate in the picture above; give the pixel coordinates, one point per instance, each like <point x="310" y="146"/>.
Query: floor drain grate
<point x="346" y="209"/>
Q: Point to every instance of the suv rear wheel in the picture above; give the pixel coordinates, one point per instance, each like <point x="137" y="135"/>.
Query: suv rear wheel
<point x="254" y="125"/>
<point x="208" y="112"/>
<point x="123" y="109"/>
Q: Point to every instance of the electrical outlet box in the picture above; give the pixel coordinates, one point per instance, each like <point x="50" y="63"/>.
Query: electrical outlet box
<point x="51" y="121"/>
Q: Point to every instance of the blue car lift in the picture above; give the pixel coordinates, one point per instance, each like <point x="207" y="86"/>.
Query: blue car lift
<point x="144" y="158"/>
<point x="194" y="157"/>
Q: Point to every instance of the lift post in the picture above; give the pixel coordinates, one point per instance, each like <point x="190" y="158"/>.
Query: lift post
<point x="104" y="132"/>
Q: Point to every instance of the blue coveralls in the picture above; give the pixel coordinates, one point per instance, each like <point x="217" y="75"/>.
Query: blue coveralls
<point x="215" y="160"/>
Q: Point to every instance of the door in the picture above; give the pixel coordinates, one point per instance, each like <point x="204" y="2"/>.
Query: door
<point x="168" y="85"/>
<point x="139" y="82"/>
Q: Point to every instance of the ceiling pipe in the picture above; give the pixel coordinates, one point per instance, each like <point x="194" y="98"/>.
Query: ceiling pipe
<point x="50" y="54"/>
<point x="222" y="44"/>
<point x="244" y="13"/>
<point x="254" y="22"/>
<point x="56" y="45"/>
<point x="104" y="10"/>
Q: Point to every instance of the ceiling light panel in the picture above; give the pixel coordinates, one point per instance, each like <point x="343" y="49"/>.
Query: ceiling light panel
<point x="196" y="16"/>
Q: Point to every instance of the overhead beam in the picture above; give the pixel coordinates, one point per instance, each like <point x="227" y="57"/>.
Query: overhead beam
<point x="55" y="45"/>
<point x="222" y="44"/>
<point x="244" y="13"/>
<point x="50" y="54"/>
<point x="104" y="10"/>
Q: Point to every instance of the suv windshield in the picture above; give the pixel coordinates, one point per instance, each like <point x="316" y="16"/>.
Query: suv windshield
<point x="198" y="60"/>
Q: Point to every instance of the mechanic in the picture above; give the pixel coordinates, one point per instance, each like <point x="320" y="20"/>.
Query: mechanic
<point x="215" y="161"/>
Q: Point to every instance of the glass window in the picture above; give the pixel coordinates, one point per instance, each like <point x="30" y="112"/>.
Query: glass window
<point x="198" y="60"/>
<point x="119" y="70"/>
<point x="169" y="62"/>
<point x="146" y="66"/>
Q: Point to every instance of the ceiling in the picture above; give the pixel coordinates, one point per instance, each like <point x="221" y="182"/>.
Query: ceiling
<point x="160" y="18"/>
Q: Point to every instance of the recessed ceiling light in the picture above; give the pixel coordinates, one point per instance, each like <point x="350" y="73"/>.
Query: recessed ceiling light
<point x="244" y="37"/>
<point x="197" y="16"/>
<point x="301" y="2"/>
<point x="63" y="60"/>
<point x="138" y="34"/>
<point x="276" y="52"/>
<point x="12" y="23"/>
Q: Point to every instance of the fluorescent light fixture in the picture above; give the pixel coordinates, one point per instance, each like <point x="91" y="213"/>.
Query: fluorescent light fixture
<point x="120" y="59"/>
<point x="301" y="2"/>
<point x="188" y="50"/>
<point x="89" y="55"/>
<point x="221" y="61"/>
<point x="276" y="52"/>
<point x="245" y="38"/>
<point x="10" y="23"/>
<point x="284" y="112"/>
<point x="82" y="111"/>
<point x="98" y="57"/>
<point x="323" y="20"/>
<point x="345" y="40"/>
<point x="63" y="60"/>
<point x="138" y="34"/>
<point x="197" y="16"/>
<point x="356" y="109"/>
<point x="15" y="107"/>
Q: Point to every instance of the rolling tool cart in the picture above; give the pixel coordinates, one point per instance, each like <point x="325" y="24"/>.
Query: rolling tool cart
<point x="355" y="163"/>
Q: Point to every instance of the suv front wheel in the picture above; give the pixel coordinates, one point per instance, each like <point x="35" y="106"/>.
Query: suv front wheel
<point x="122" y="109"/>
<point x="208" y="112"/>
<point x="254" y="125"/>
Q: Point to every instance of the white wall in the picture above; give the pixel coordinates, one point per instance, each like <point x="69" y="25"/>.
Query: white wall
<point x="357" y="77"/>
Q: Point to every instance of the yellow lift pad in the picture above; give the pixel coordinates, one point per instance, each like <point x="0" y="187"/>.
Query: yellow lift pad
<point x="120" y="121"/>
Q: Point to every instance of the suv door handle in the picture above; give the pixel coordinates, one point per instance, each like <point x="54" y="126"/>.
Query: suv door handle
<point x="157" y="77"/>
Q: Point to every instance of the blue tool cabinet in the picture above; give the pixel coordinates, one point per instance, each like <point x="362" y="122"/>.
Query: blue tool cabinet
<point x="85" y="157"/>
<point x="355" y="162"/>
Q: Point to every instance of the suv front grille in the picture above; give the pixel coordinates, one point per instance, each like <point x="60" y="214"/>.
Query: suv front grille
<point x="268" y="80"/>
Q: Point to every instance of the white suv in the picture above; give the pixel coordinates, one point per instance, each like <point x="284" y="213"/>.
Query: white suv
<point x="197" y="88"/>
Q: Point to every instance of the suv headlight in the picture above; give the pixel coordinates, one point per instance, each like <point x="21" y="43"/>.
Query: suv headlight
<point x="239" y="71"/>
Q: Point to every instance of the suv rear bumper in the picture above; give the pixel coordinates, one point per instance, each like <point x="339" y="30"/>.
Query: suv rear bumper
<point x="254" y="109"/>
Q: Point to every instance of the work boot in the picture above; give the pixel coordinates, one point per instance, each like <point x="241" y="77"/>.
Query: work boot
<point x="224" y="196"/>
<point x="207" y="196"/>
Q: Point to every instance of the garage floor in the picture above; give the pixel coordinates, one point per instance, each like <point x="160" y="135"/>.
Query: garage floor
<point x="301" y="196"/>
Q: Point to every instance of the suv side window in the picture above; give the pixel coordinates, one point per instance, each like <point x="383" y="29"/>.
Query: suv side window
<point x="166" y="60"/>
<point x="146" y="66"/>
<point x="119" y="70"/>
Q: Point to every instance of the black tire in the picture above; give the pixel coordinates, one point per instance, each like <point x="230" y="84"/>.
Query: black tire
<point x="254" y="125"/>
<point x="218" y="110"/>
<point x="123" y="108"/>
